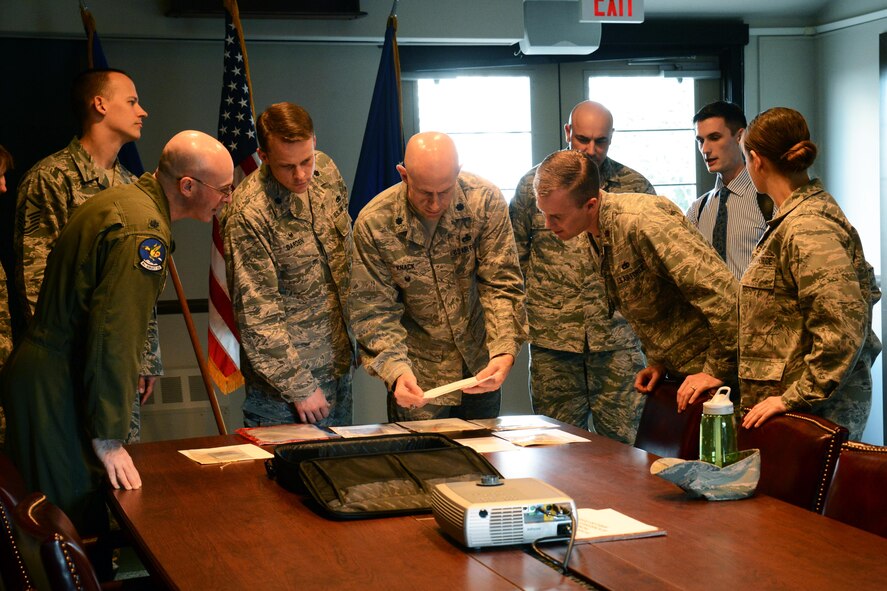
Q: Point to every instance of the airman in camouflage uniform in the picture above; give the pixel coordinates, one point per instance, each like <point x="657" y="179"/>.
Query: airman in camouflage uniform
<point x="582" y="361"/>
<point x="54" y="187"/>
<point x="805" y="314"/>
<point x="288" y="250"/>
<point x="437" y="294"/>
<point x="5" y="320"/>
<point x="805" y="306"/>
<point x="671" y="286"/>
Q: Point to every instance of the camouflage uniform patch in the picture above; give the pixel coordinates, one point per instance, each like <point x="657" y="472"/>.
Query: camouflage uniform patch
<point x="437" y="310"/>
<point x="805" y="310"/>
<point x="288" y="264"/>
<point x="567" y="311"/>
<point x="668" y="282"/>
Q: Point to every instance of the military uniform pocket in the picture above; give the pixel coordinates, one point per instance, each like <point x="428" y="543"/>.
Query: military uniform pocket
<point x="543" y="298"/>
<point x="428" y="366"/>
<point x="343" y="223"/>
<point x="635" y="289"/>
<point x="299" y="262"/>
<point x="758" y="369"/>
<point x="758" y="312"/>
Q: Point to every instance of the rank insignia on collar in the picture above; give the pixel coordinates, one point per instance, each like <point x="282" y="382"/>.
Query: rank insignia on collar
<point x="152" y="253"/>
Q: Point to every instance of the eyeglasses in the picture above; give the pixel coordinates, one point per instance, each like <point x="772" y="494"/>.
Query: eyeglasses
<point x="226" y="191"/>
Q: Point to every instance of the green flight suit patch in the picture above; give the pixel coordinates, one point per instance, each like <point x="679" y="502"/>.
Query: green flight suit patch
<point x="152" y="253"/>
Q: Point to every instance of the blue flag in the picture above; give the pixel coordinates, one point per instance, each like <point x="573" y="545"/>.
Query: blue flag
<point x="382" y="147"/>
<point x="129" y="154"/>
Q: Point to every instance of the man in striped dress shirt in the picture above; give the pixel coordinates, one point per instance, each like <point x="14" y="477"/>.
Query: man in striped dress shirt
<point x="733" y="215"/>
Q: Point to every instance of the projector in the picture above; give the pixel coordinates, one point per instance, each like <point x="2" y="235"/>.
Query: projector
<point x="495" y="512"/>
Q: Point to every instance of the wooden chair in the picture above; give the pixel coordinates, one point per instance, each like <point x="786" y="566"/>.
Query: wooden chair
<point x="665" y="432"/>
<point x="798" y="456"/>
<point x="856" y="495"/>
<point x="15" y="574"/>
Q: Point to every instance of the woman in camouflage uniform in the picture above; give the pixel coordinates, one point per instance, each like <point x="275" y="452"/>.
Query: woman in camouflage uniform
<point x="805" y="305"/>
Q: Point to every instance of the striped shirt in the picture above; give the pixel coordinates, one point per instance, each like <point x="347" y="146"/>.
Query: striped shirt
<point x="745" y="222"/>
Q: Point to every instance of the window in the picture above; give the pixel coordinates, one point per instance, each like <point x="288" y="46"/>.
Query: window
<point x="653" y="118"/>
<point x="488" y="118"/>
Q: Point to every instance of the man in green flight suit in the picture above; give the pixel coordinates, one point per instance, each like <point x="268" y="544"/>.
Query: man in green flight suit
<point x="67" y="388"/>
<point x="110" y="115"/>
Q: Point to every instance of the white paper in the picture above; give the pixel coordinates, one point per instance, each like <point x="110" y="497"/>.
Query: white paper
<point x="600" y="524"/>
<point x="439" y="425"/>
<point x="487" y="444"/>
<point x="226" y="454"/>
<point x="453" y="386"/>
<point x="515" y="422"/>
<point x="528" y="437"/>
<point x="369" y="430"/>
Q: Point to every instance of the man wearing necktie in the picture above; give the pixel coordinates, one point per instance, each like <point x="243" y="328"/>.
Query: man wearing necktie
<point x="733" y="215"/>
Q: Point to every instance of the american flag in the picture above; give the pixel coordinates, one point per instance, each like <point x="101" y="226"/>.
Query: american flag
<point x="237" y="131"/>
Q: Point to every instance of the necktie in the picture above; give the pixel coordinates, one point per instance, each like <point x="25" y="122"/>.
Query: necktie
<point x="719" y="234"/>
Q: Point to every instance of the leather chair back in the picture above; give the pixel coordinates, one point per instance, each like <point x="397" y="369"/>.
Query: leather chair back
<point x="857" y="495"/>
<point x="665" y="432"/>
<point x="65" y="563"/>
<point x="15" y="574"/>
<point x="798" y="456"/>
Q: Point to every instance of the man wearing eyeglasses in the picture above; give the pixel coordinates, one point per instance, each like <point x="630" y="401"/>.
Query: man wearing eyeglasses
<point x="582" y="360"/>
<point x="107" y="106"/>
<point x="67" y="386"/>
<point x="436" y="293"/>
<point x="287" y="237"/>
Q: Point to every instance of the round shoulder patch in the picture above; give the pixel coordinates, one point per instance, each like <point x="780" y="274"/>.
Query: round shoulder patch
<point x="152" y="253"/>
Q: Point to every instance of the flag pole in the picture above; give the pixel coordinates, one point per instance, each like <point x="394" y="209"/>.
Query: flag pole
<point x="89" y="26"/>
<point x="198" y="350"/>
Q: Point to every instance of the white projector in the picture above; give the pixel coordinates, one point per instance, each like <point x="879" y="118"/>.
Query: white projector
<point x="494" y="512"/>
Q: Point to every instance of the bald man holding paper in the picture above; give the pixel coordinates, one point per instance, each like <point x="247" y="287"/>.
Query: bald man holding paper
<point x="437" y="294"/>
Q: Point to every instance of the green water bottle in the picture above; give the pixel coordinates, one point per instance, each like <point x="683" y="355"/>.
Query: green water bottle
<point x="717" y="431"/>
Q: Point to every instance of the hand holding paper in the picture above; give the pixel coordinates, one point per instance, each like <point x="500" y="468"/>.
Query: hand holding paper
<point x="453" y="386"/>
<point x="497" y="369"/>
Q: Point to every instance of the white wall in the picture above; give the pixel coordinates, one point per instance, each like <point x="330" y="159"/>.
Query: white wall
<point x="849" y="97"/>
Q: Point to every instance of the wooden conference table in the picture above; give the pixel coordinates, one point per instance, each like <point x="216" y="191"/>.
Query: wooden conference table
<point x="230" y="527"/>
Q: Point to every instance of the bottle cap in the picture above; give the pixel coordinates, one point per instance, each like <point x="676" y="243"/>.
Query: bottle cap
<point x="719" y="404"/>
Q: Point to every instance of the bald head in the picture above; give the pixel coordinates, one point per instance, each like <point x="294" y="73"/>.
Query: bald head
<point x="196" y="173"/>
<point x="430" y="170"/>
<point x="590" y="130"/>
<point x="432" y="154"/>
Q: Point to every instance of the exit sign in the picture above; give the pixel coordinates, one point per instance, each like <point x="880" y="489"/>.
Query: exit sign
<point x="611" y="11"/>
